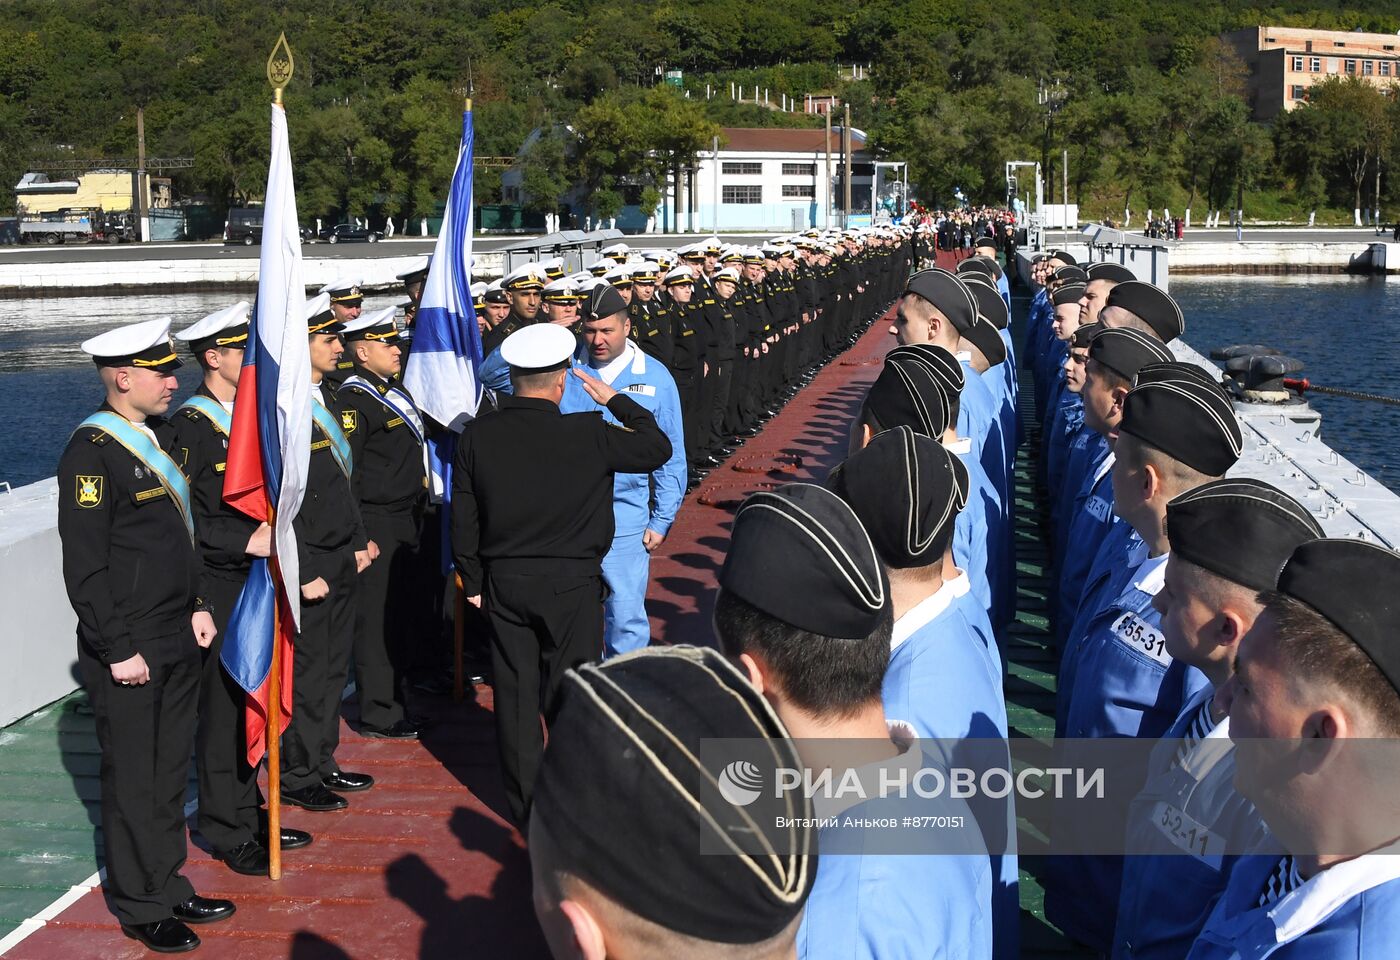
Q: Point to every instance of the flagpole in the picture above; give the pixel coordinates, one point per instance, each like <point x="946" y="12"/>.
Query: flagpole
<point x="459" y="616"/>
<point x="279" y="73"/>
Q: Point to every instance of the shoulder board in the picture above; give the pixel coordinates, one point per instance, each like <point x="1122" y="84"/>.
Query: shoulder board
<point x="617" y="426"/>
<point x="191" y="413"/>
<point x="98" y="437"/>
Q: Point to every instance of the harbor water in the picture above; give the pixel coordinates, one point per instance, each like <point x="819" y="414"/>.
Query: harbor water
<point x="1342" y="328"/>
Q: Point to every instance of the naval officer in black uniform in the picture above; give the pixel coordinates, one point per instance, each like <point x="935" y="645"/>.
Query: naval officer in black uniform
<point x="390" y="483"/>
<point x="231" y="817"/>
<point x="131" y="567"/>
<point x="530" y="547"/>
<point x="333" y="548"/>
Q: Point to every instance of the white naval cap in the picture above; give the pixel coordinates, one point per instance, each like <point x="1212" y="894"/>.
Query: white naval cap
<point x="530" y="276"/>
<point x="646" y="272"/>
<point x="478" y="291"/>
<point x="222" y="328"/>
<point x="726" y="273"/>
<point x="539" y="347"/>
<point x="145" y="344"/>
<point x="553" y="267"/>
<point x="677" y="276"/>
<point x="562" y="290"/>
<point x="343" y="290"/>
<point x="319" y="318"/>
<point x="417" y="272"/>
<point x="616" y="250"/>
<point x="619" y="276"/>
<point x="378" y="325"/>
<point x="599" y="267"/>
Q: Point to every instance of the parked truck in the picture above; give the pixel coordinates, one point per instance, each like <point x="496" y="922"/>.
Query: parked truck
<point x="78" y="225"/>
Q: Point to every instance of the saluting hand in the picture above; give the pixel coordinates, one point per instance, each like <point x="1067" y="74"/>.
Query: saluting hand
<point x="202" y="622"/>
<point x="131" y="671"/>
<point x="595" y="388"/>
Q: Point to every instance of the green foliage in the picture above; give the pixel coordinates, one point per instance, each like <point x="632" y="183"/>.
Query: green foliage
<point x="1152" y="112"/>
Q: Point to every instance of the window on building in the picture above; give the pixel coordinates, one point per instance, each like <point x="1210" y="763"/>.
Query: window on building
<point x="1385" y="68"/>
<point x="1297" y="64"/>
<point x="1388" y="46"/>
<point x="1349" y="66"/>
<point x="1270" y="40"/>
<point x="741" y="193"/>
<point x="799" y="169"/>
<point x="1315" y="65"/>
<point x="1367" y="68"/>
<point x="1338" y="43"/>
<point x="743" y="168"/>
<point x="799" y="191"/>
<point x="1296" y="92"/>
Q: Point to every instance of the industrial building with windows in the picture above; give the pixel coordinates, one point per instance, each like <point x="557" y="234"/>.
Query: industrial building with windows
<point x="1285" y="61"/>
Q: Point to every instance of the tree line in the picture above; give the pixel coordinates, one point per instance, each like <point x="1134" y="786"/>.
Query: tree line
<point x="1146" y="101"/>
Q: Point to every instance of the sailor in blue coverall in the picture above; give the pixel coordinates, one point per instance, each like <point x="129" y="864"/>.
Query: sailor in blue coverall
<point x="644" y="505"/>
<point x="944" y="677"/>
<point x="1188" y="826"/>
<point x="1178" y="429"/>
<point x="1332" y="681"/>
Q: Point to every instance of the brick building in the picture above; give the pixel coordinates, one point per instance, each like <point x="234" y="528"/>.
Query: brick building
<point x="1285" y="61"/>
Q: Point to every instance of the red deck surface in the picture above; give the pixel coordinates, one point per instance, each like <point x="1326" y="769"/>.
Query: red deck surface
<point x="422" y="865"/>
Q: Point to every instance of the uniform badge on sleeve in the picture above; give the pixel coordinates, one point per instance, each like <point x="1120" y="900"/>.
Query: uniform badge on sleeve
<point x="348" y="421"/>
<point x="89" y="491"/>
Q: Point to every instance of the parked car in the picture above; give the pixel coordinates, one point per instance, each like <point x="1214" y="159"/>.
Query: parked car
<point x="349" y="233"/>
<point x="245" y="226"/>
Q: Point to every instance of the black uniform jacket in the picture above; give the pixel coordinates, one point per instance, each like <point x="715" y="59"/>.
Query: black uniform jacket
<point x="329" y="518"/>
<point x="201" y="450"/>
<point x="389" y="474"/>
<point x="532" y="488"/>
<point x="130" y="569"/>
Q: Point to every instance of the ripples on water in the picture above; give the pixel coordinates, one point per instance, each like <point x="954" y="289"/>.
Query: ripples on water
<point x="1345" y="329"/>
<point x="48" y="385"/>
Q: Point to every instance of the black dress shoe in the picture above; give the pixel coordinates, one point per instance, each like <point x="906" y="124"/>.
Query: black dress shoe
<point x="163" y="936"/>
<point x="347" y="782"/>
<point x="316" y="798"/>
<point x="199" y="909"/>
<point x="291" y="839"/>
<point x="398" y="730"/>
<point x="249" y="859"/>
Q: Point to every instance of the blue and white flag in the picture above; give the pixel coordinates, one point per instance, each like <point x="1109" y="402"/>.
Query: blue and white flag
<point x="442" y="366"/>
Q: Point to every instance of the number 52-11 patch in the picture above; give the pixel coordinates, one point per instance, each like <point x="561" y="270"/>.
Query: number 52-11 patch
<point x="1141" y="636"/>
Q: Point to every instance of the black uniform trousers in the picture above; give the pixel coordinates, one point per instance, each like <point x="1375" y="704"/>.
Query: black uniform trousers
<point x="229" y="798"/>
<point x="541" y="626"/>
<point x="688" y="383"/>
<point x="320" y="667"/>
<point x="384" y="615"/>
<point x="722" y="374"/>
<point x="145" y="733"/>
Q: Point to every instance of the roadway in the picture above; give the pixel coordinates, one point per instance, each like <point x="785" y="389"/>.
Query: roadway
<point x="1263" y="235"/>
<point x="214" y="249"/>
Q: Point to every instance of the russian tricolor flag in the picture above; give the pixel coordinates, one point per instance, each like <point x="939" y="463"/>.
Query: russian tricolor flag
<point x="268" y="453"/>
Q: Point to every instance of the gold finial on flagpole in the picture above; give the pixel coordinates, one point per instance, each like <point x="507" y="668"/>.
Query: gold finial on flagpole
<point x="468" y="107"/>
<point x="279" y="67"/>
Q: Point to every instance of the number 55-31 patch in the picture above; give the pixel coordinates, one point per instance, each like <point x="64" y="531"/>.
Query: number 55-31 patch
<point x="1141" y="636"/>
<point x="89" y="492"/>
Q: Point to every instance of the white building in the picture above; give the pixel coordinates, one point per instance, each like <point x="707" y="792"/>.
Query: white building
<point x="770" y="179"/>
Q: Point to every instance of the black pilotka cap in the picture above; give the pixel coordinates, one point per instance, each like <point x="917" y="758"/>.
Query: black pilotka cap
<point x="799" y="554"/>
<point x="1070" y="274"/>
<point x="980" y="265"/>
<point x="634" y="813"/>
<point x="1085" y="333"/>
<point x="906" y="394"/>
<point x="985" y="338"/>
<point x="1063" y="257"/>
<point x="1241" y="529"/>
<point x="1184" y="415"/>
<point x="943" y="365"/>
<point x="990" y="306"/>
<point x="1356" y="586"/>
<point x="1126" y="351"/>
<point x="946" y="292"/>
<point x="907" y="491"/>
<point x="603" y="301"/>
<point x="1115" y="272"/>
<point x="1153" y="305"/>
<point x="1069" y="293"/>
